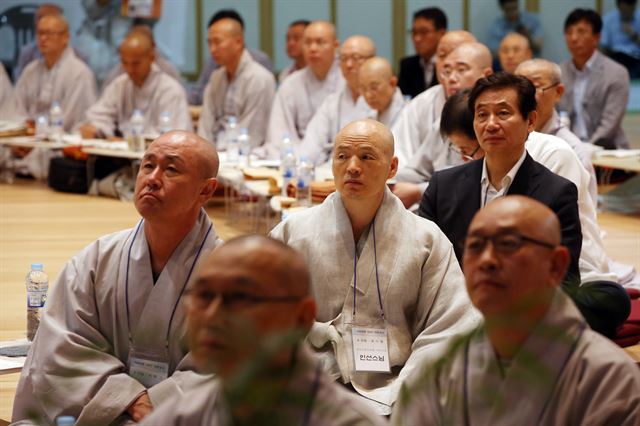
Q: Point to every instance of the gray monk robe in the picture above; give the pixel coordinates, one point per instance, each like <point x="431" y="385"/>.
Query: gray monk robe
<point x="421" y="287"/>
<point x="311" y="398"/>
<point x="564" y="374"/>
<point x="78" y="363"/>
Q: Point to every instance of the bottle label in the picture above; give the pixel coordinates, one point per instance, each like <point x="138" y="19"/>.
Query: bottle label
<point x="36" y="299"/>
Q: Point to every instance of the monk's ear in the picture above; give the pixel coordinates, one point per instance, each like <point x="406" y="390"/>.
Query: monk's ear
<point x="393" y="167"/>
<point x="559" y="264"/>
<point x="394" y="81"/>
<point x="208" y="189"/>
<point x="307" y="312"/>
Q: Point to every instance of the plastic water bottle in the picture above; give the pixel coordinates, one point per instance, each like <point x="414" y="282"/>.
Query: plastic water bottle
<point x="164" y="122"/>
<point x="564" y="119"/>
<point x="42" y="127"/>
<point x="56" y="125"/>
<point x="231" y="136"/>
<point x="137" y="127"/>
<point x="65" y="421"/>
<point x="244" y="143"/>
<point x="303" y="182"/>
<point x="37" y="283"/>
<point x="287" y="163"/>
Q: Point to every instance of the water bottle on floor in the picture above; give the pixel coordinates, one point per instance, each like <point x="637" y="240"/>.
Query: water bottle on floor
<point x="56" y="124"/>
<point x="37" y="283"/>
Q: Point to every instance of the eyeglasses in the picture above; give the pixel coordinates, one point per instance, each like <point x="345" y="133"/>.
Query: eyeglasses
<point x="465" y="156"/>
<point x="541" y="90"/>
<point x="504" y="243"/>
<point x="201" y="299"/>
<point x="355" y="58"/>
<point x="49" y="33"/>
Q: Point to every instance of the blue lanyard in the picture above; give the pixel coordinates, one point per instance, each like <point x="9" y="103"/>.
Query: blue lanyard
<point x="175" y="306"/>
<point x="355" y="273"/>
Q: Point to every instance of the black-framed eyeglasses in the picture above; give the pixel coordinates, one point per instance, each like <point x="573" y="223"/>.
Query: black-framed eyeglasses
<point x="504" y="243"/>
<point x="201" y="299"/>
<point x="464" y="155"/>
<point x="544" y="89"/>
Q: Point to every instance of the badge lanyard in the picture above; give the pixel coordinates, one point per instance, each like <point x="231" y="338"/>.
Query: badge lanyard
<point x="175" y="306"/>
<point x="314" y="394"/>
<point x="465" y="382"/>
<point x="355" y="274"/>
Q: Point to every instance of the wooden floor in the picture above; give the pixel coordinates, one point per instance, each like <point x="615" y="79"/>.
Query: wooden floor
<point x="39" y="225"/>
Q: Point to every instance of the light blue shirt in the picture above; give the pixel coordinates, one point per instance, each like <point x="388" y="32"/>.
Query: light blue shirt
<point x="615" y="39"/>
<point x="501" y="27"/>
<point x="579" y="126"/>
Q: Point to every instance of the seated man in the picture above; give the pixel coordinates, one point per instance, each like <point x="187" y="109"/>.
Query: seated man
<point x="196" y="92"/>
<point x="514" y="20"/>
<point x="418" y="72"/>
<point x="295" y="34"/>
<point x="59" y="76"/>
<point x="621" y="36"/>
<point x="247" y="315"/>
<point x="144" y="87"/>
<point x="379" y="87"/>
<point x="517" y="159"/>
<point x="240" y="87"/>
<point x="459" y="70"/>
<point x="376" y="270"/>
<point x="514" y="49"/>
<point x="112" y="341"/>
<point x="339" y="108"/>
<point x="163" y="63"/>
<point x="534" y="360"/>
<point x="597" y="87"/>
<point x="547" y="79"/>
<point x="302" y="93"/>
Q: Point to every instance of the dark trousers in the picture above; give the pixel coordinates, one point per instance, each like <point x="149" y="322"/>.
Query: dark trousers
<point x="629" y="62"/>
<point x="604" y="304"/>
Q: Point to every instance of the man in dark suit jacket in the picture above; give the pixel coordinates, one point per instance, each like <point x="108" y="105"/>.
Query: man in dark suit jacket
<point x="503" y="107"/>
<point x="418" y="72"/>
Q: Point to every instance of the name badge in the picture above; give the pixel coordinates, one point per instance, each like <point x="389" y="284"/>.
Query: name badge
<point x="370" y="349"/>
<point x="147" y="370"/>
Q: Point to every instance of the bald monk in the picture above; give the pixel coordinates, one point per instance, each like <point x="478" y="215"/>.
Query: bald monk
<point x="420" y="115"/>
<point x="460" y="70"/>
<point x="241" y="87"/>
<point x="144" y="87"/>
<point x="379" y="87"/>
<point x="341" y="107"/>
<point x="376" y="270"/>
<point x="534" y="359"/>
<point x="249" y="310"/>
<point x="514" y="50"/>
<point x="59" y="76"/>
<point x="112" y="342"/>
<point x="302" y="93"/>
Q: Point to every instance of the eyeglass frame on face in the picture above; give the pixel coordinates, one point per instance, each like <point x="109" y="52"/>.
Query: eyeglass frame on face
<point x="201" y="299"/>
<point x="50" y="33"/>
<point x="358" y="59"/>
<point x="453" y="147"/>
<point x="521" y="239"/>
<point x="544" y="89"/>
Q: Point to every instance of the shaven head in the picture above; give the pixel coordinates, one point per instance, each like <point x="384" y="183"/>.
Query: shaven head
<point x="249" y="298"/>
<point x="464" y="66"/>
<point x="513" y="261"/>
<point x="449" y="42"/>
<point x="363" y="161"/>
<point x="547" y="79"/>
<point x="514" y="49"/>
<point x="52" y="37"/>
<point x="47" y="9"/>
<point x="377" y="83"/>
<point x="319" y="47"/>
<point x="226" y="41"/>
<point x="355" y="50"/>
<point x="137" y="53"/>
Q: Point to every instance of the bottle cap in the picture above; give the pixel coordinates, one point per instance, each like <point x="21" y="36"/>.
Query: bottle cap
<point x="65" y="421"/>
<point x="36" y="266"/>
